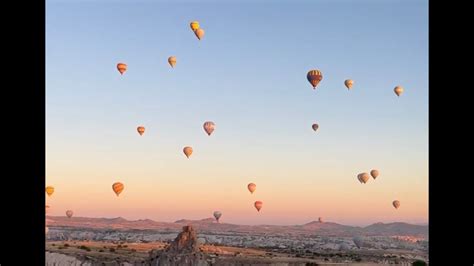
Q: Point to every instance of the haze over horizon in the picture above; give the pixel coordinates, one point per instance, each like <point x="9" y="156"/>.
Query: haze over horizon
<point x="248" y="75"/>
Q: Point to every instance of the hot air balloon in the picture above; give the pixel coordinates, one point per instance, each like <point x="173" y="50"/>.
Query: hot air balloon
<point x="141" y="130"/>
<point x="209" y="127"/>
<point x="258" y="205"/>
<point x="121" y="67"/>
<point x="117" y="188"/>
<point x="320" y="220"/>
<point x="172" y="61"/>
<point x="349" y="83"/>
<point x="199" y="33"/>
<point x="359" y="177"/>
<point x="374" y="173"/>
<point x="364" y="177"/>
<point x="398" y="90"/>
<point x="188" y="151"/>
<point x="314" y="77"/>
<point x="252" y="187"/>
<point x="315" y="127"/>
<point x="396" y="204"/>
<point x="69" y="213"/>
<point x="217" y="215"/>
<point x="49" y="190"/>
<point x="194" y="25"/>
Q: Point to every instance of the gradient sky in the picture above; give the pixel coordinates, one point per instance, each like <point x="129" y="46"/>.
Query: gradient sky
<point x="248" y="75"/>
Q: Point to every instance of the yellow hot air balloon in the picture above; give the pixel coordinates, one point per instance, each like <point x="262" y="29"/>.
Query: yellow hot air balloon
<point x="172" y="61"/>
<point x="122" y="67"/>
<point x="396" y="204"/>
<point x="209" y="127"/>
<point x="117" y="188"/>
<point x="364" y="177"/>
<point x="141" y="130"/>
<point x="374" y="173"/>
<point x="49" y="190"/>
<point x="349" y="83"/>
<point x="315" y="127"/>
<point x="398" y="90"/>
<point x="69" y="213"/>
<point x="252" y="187"/>
<point x="188" y="151"/>
<point x="199" y="33"/>
<point x="314" y="77"/>
<point x="194" y="25"/>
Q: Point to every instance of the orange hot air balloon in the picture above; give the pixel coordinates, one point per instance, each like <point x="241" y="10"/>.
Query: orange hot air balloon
<point x="314" y="77"/>
<point x="121" y="67"/>
<point x="49" y="190"/>
<point x="117" y="188"/>
<point x="398" y="90"/>
<point x="188" y="151"/>
<point x="141" y="130"/>
<point x="209" y="127"/>
<point x="172" y="61"/>
<point x="258" y="205"/>
<point x="396" y="204"/>
<point x="374" y="173"/>
<point x="69" y="213"/>
<point x="199" y="33"/>
<point x="194" y="25"/>
<point x="349" y="83"/>
<point x="252" y="187"/>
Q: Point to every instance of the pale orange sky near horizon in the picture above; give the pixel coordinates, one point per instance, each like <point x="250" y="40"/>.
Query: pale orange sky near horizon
<point x="251" y="81"/>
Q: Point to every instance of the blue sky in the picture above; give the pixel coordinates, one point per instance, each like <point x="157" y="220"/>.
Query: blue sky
<point x="248" y="75"/>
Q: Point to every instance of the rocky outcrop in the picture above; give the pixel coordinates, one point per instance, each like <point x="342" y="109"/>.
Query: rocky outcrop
<point x="184" y="250"/>
<point x="53" y="259"/>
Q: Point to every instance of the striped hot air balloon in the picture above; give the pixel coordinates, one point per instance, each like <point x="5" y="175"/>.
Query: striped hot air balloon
<point x="314" y="77"/>
<point x="117" y="188"/>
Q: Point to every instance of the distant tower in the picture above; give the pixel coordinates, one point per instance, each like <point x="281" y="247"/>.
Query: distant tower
<point x="320" y="220"/>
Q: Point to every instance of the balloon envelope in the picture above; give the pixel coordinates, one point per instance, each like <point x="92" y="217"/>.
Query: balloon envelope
<point x="188" y="151"/>
<point x="314" y="77"/>
<point x="364" y="177"/>
<point x="258" y="205"/>
<point x="194" y="25"/>
<point x="117" y="187"/>
<point x="251" y="187"/>
<point x="217" y="215"/>
<point x="141" y="130"/>
<point x="349" y="83"/>
<point x="315" y="127"/>
<point x="172" y="61"/>
<point x="209" y="127"/>
<point x="396" y="204"/>
<point x="121" y="67"/>
<point x="69" y="213"/>
<point x="374" y="173"/>
<point x="49" y="190"/>
<point x="398" y="90"/>
<point x="199" y="33"/>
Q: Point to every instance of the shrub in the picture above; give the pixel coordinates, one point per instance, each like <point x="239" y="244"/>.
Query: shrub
<point x="101" y="250"/>
<point x="112" y="249"/>
<point x="85" y="248"/>
<point x="53" y="245"/>
<point x="66" y="245"/>
<point x="419" y="263"/>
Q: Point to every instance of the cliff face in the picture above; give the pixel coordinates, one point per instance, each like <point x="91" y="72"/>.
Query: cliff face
<point x="183" y="251"/>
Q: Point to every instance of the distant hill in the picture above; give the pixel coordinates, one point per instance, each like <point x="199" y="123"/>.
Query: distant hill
<point x="209" y="224"/>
